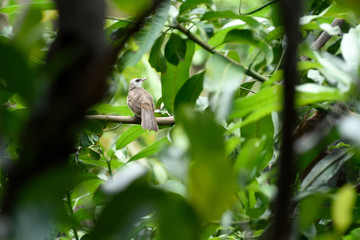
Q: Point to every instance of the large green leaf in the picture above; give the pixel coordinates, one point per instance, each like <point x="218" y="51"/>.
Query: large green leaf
<point x="350" y="49"/>
<point x="175" y="49"/>
<point x="325" y="169"/>
<point x="222" y="78"/>
<point x="251" y="22"/>
<point x="191" y="90"/>
<point x="146" y="36"/>
<point x="211" y="180"/>
<point x="342" y="209"/>
<point x="269" y="100"/>
<point x="335" y="70"/>
<point x="129" y="135"/>
<point x="15" y="71"/>
<point x="156" y="58"/>
<point x="263" y="131"/>
<point x="246" y="36"/>
<point x="150" y="150"/>
<point x="176" y="76"/>
<point x="312" y="93"/>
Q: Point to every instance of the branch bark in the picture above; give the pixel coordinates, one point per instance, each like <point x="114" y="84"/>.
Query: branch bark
<point x="130" y="120"/>
<point x="324" y="36"/>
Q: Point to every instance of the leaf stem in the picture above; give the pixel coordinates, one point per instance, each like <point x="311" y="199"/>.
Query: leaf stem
<point x="109" y="168"/>
<point x="68" y="199"/>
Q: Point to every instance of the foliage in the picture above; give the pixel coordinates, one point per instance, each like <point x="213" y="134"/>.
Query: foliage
<point x="213" y="174"/>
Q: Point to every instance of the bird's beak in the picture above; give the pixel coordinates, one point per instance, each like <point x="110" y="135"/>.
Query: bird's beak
<point x="143" y="79"/>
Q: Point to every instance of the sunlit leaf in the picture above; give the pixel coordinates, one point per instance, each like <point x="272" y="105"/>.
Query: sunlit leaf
<point x="129" y="135"/>
<point x="246" y="36"/>
<point x="150" y="150"/>
<point x="211" y="181"/>
<point x="222" y="78"/>
<point x="350" y="48"/>
<point x="17" y="7"/>
<point x="176" y="76"/>
<point x="342" y="208"/>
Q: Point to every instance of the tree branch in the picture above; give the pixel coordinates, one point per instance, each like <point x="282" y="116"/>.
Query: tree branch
<point x="324" y="36"/>
<point x="130" y="120"/>
<point x="282" y="225"/>
<point x="212" y="50"/>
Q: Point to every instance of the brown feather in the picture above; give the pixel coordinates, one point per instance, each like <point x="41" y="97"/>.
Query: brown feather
<point x="142" y="105"/>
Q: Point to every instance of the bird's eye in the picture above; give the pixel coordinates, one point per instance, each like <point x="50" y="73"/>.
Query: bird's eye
<point x="137" y="80"/>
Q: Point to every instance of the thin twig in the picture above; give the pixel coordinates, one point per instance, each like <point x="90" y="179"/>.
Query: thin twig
<point x="259" y="8"/>
<point x="131" y="120"/>
<point x="212" y="50"/>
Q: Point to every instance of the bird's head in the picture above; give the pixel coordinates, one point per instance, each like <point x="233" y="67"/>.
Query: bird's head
<point x="136" y="82"/>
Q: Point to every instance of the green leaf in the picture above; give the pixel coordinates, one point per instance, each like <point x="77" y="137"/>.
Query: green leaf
<point x="211" y="180"/>
<point x="263" y="131"/>
<point x="246" y="36"/>
<point x="310" y="93"/>
<point x="191" y="90"/>
<point x="29" y="31"/>
<point x="84" y="214"/>
<point x="175" y="49"/>
<point x="156" y="58"/>
<point x="335" y="71"/>
<point x="136" y="7"/>
<point x="250" y="21"/>
<point x="114" y="30"/>
<point x="222" y="78"/>
<point x="258" y="105"/>
<point x="150" y="150"/>
<point x="325" y="169"/>
<point x="126" y="209"/>
<point x="5" y="93"/>
<point x="176" y="76"/>
<point x="15" y="71"/>
<point x="342" y="208"/>
<point x="129" y="135"/>
<point x="188" y="4"/>
<point x="146" y="37"/>
<point x="269" y="99"/>
<point x="111" y="109"/>
<point x="248" y="163"/>
<point x="17" y="7"/>
<point x="350" y="49"/>
<point x="277" y="33"/>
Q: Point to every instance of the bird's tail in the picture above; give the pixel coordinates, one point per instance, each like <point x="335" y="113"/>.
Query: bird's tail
<point x="148" y="120"/>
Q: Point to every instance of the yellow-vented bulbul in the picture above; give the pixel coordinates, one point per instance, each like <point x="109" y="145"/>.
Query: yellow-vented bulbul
<point x="142" y="104"/>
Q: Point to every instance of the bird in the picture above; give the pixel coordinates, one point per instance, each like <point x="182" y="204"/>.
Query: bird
<point x="141" y="104"/>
